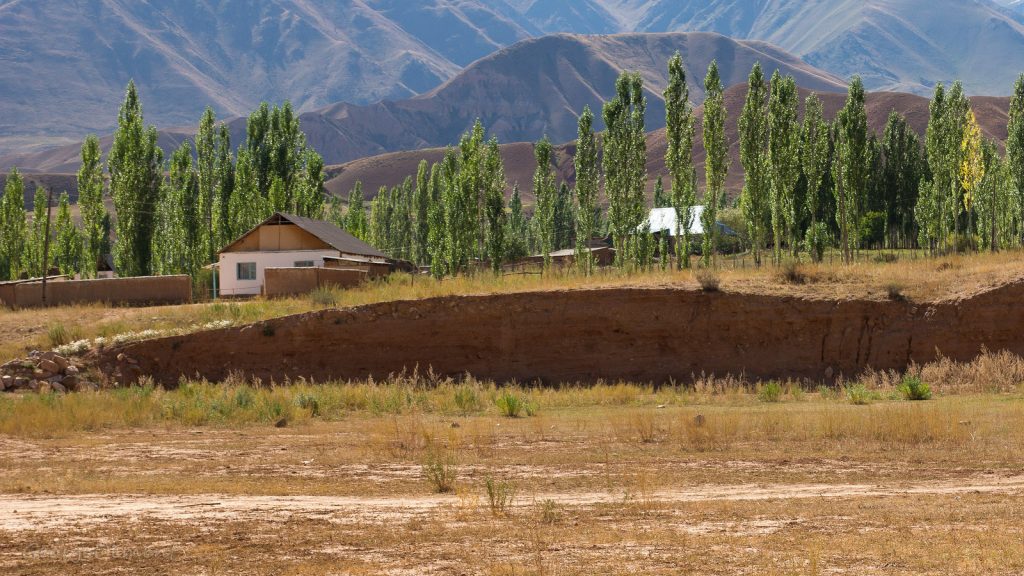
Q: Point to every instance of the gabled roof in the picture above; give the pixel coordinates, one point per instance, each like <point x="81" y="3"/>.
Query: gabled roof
<point x="327" y="233"/>
<point x="664" y="220"/>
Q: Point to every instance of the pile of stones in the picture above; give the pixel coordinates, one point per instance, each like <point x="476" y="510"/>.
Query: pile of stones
<point x="43" y="372"/>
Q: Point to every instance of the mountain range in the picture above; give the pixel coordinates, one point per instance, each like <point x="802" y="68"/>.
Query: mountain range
<point x="65" y="64"/>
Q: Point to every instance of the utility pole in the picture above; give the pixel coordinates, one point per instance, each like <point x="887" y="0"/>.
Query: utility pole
<point x="46" y="242"/>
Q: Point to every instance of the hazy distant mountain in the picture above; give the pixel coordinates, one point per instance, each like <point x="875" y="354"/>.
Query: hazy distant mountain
<point x="65" y="64"/>
<point x="905" y="45"/>
<point x="534" y="88"/>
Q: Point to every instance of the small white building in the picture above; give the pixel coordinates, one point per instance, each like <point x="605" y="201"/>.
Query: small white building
<point x="664" y="220"/>
<point x="285" y="241"/>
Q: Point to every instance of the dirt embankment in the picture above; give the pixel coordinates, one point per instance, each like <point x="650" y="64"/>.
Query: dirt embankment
<point x="635" y="334"/>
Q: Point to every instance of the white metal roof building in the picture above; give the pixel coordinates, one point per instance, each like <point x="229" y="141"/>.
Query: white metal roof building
<point x="664" y="220"/>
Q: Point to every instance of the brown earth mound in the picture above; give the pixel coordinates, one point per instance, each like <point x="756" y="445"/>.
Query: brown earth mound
<point x="633" y="334"/>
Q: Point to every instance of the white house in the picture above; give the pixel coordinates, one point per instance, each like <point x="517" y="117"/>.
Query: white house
<point x="285" y="241"/>
<point x="664" y="220"/>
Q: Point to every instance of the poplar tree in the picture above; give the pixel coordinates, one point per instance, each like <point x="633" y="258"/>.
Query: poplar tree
<point x="992" y="199"/>
<point x="624" y="164"/>
<point x="784" y="161"/>
<point x="421" y="204"/>
<point x="225" y="168"/>
<point x="247" y="207"/>
<point x="929" y="209"/>
<point x="91" y="207"/>
<point x="32" y="257"/>
<point x="309" y="196"/>
<point x="753" y="131"/>
<point x="135" y="164"/>
<point x="679" y="156"/>
<point x="955" y="125"/>
<point x="518" y="227"/>
<point x="851" y="165"/>
<point x="587" y="184"/>
<point x="564" y="218"/>
<point x="67" y="252"/>
<point x="717" y="164"/>
<point x="355" y="219"/>
<point x="547" y="197"/>
<point x="1015" y="149"/>
<point x="12" y="226"/>
<point x="814" y="156"/>
<point x="206" y="170"/>
<point x="901" y="172"/>
<point x="494" y="207"/>
<point x="972" y="166"/>
<point x="436" y="233"/>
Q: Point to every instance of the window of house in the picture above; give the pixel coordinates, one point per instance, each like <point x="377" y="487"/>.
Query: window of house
<point x="304" y="264"/>
<point x="246" y="270"/>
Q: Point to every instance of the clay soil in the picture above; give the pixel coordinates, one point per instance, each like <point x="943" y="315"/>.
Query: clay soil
<point x="599" y="490"/>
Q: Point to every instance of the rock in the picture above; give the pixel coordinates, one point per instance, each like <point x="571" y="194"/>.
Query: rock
<point x="6" y="382"/>
<point x="699" y="420"/>
<point x="61" y="362"/>
<point x="282" y="423"/>
<point x="21" y="382"/>
<point x="41" y="387"/>
<point x="131" y="360"/>
<point x="58" y="387"/>
<point x="71" y="382"/>
<point x="49" y="366"/>
<point x="46" y="355"/>
<point x="55" y="379"/>
<point x="71" y="370"/>
<point x="121" y="356"/>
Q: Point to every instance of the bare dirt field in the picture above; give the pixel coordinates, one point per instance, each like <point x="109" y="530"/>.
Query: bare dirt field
<point x="809" y="485"/>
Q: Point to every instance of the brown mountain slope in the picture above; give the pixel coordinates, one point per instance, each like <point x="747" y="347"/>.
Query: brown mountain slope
<point x="391" y="169"/>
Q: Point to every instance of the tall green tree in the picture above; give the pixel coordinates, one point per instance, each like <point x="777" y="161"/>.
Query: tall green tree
<point x="421" y="203"/>
<point x="547" y="199"/>
<point x="247" y="207"/>
<point x="955" y="125"/>
<point x="12" y="226"/>
<point x="716" y="166"/>
<point x="814" y="158"/>
<point x="587" y="185"/>
<point x="32" y="258"/>
<point x="972" y="166"/>
<point x="135" y="165"/>
<point x="851" y="165"/>
<point x="309" y="195"/>
<point x="494" y="207"/>
<point x="679" y="133"/>
<point x="355" y="218"/>
<point x="91" y="207"/>
<point x="518" y="227"/>
<point x="624" y="164"/>
<point x="753" y="130"/>
<point x="1015" y="148"/>
<point x="207" y="176"/>
<point x="992" y="199"/>
<point x="67" y="253"/>
<point x="565" y="218"/>
<point x="901" y="173"/>
<point x="436" y="233"/>
<point x="784" y="162"/>
<point x="225" y="168"/>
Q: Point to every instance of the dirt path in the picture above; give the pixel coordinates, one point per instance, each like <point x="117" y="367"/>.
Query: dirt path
<point x="25" y="512"/>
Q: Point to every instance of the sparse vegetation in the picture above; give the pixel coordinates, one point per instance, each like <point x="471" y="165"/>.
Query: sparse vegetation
<point x="500" y="495"/>
<point x="859" y="394"/>
<point x="912" y="388"/>
<point x="770" y="392"/>
<point x="708" y="280"/>
<point x="440" y="468"/>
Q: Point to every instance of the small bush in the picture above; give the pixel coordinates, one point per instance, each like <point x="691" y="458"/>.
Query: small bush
<point x="440" y="470"/>
<point x="512" y="406"/>
<point x="770" y="392"/>
<point x="500" y="495"/>
<point x="793" y="273"/>
<point x="467" y="399"/>
<point x="324" y="298"/>
<point x="894" y="291"/>
<point x="60" y="335"/>
<point x="549" y="513"/>
<point x="912" y="388"/>
<point x="860" y="395"/>
<point x="708" y="280"/>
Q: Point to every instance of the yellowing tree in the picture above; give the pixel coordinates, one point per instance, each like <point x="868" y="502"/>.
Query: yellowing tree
<point x="972" y="167"/>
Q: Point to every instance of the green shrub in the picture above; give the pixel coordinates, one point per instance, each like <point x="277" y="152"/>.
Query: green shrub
<point x="467" y="399"/>
<point x="770" y="392"/>
<point x="500" y="495"/>
<point x="323" y="297"/>
<point x="860" y="395"/>
<point x="549" y="513"/>
<point x="912" y="388"/>
<point x="512" y="406"/>
<point x="440" y="470"/>
<point x="59" y="335"/>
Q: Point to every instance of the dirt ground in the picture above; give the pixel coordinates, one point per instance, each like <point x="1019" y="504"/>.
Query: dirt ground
<point x="615" y="490"/>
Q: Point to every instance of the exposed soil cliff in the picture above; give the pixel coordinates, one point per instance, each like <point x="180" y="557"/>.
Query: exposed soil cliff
<point x="644" y="335"/>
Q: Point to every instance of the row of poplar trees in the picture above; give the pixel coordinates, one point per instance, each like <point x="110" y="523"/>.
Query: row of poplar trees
<point x="170" y="217"/>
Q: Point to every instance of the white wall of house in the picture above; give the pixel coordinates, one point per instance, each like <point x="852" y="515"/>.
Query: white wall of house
<point x="230" y="285"/>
